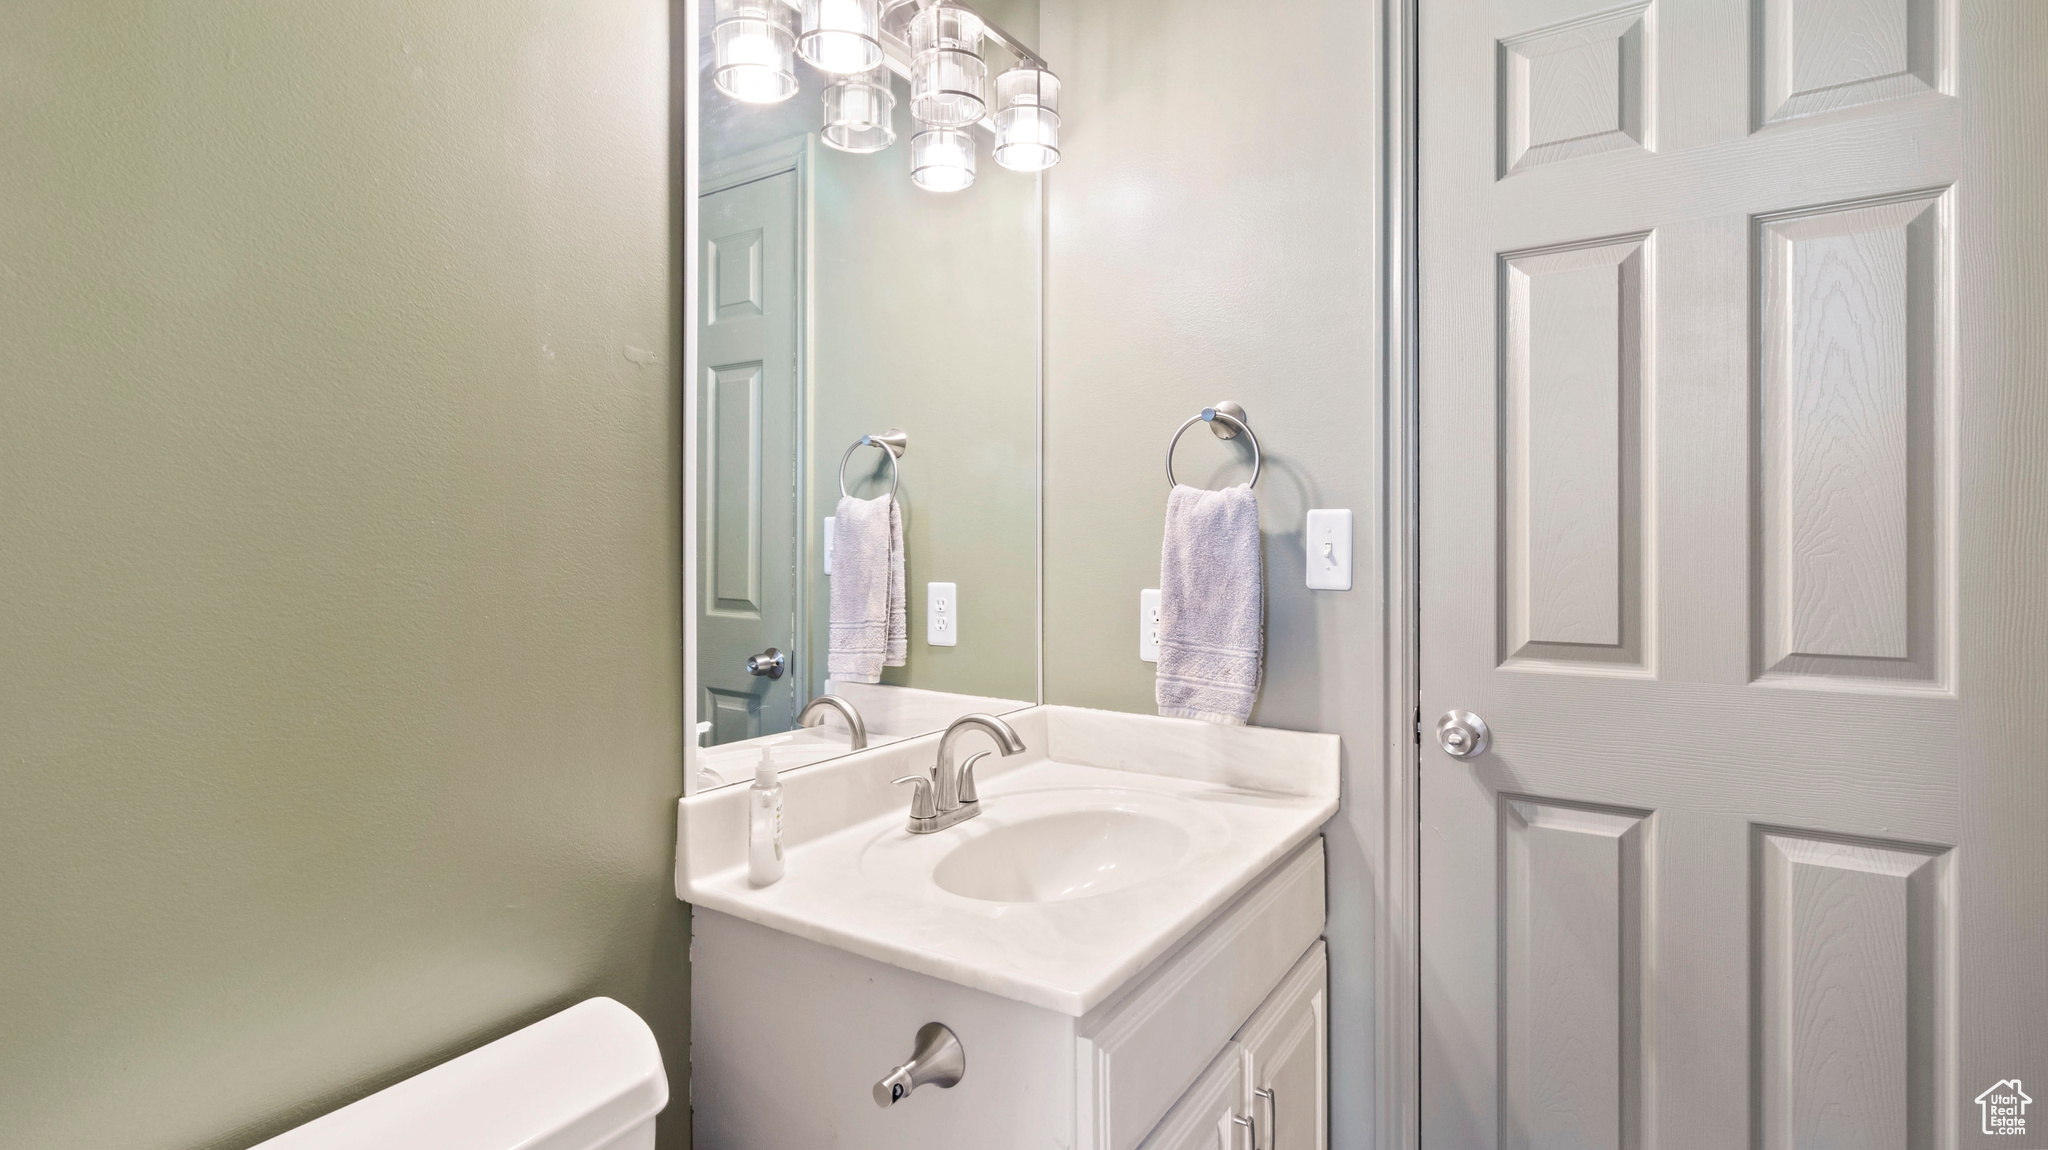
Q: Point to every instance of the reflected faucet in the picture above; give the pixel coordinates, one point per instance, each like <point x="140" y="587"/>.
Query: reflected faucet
<point x="813" y="715"/>
<point x="947" y="796"/>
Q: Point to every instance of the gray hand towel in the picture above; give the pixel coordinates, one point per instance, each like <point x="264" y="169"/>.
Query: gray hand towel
<point x="870" y="617"/>
<point x="1212" y="605"/>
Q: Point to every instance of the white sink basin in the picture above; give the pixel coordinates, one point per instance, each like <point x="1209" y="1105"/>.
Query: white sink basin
<point x="1055" y="857"/>
<point x="1047" y="845"/>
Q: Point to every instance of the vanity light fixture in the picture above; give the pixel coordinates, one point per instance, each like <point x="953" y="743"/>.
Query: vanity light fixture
<point x="896" y="17"/>
<point x="942" y="159"/>
<point x="842" y="37"/>
<point x="948" y="77"/>
<point x="755" y="44"/>
<point x="860" y="113"/>
<point x="1027" y="118"/>
<point x="753" y="50"/>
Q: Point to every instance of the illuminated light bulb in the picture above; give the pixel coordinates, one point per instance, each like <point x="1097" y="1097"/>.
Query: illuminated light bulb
<point x="753" y="50"/>
<point x="1027" y="119"/>
<point x="942" y="159"/>
<point x="842" y="36"/>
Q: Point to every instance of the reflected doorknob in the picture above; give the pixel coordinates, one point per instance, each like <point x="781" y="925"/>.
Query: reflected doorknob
<point x="769" y="663"/>
<point x="1463" y="734"/>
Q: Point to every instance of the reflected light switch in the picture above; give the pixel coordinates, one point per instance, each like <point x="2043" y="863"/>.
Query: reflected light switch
<point x="1148" y="625"/>
<point x="1329" y="550"/>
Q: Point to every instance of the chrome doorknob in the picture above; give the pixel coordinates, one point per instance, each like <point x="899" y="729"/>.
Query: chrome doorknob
<point x="1463" y="734"/>
<point x="769" y="663"/>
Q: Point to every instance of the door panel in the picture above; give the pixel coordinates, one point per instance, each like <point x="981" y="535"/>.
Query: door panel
<point x="1853" y="400"/>
<point x="1571" y="454"/>
<point x="1853" y="953"/>
<point x="1571" y="973"/>
<point x="750" y="538"/>
<point x="1697" y="536"/>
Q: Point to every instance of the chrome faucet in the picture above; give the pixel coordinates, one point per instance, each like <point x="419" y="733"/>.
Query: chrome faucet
<point x="813" y="715"/>
<point x="947" y="796"/>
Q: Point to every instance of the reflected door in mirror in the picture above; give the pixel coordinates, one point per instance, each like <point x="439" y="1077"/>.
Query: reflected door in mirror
<point x="748" y="545"/>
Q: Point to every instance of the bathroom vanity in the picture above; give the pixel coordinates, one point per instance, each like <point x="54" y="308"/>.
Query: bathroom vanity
<point x="1125" y="941"/>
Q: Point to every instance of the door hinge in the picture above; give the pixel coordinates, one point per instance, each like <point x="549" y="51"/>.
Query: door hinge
<point x="1418" y="724"/>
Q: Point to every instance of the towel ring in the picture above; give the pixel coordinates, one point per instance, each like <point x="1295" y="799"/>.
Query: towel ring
<point x="893" y="443"/>
<point x="1226" y="419"/>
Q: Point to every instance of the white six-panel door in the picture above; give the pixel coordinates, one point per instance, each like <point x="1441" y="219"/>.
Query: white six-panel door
<point x="1731" y="514"/>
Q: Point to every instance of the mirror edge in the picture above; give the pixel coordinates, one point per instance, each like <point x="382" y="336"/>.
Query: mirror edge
<point x="683" y="80"/>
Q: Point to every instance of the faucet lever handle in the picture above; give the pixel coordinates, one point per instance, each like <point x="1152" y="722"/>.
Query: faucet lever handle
<point x="922" y="804"/>
<point x="967" y="793"/>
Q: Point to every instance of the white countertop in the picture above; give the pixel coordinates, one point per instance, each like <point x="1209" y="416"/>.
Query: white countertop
<point x="856" y="878"/>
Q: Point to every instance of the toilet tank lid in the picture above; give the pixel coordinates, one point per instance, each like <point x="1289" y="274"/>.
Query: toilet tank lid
<point x="572" y="1081"/>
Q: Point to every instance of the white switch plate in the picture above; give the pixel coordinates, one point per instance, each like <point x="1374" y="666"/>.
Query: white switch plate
<point x="1148" y="625"/>
<point x="1329" y="550"/>
<point x="828" y="544"/>
<point x="941" y="615"/>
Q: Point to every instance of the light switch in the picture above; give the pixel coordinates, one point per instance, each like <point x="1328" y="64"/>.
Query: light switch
<point x="1148" y="625"/>
<point x="828" y="545"/>
<point x="941" y="615"/>
<point x="1329" y="550"/>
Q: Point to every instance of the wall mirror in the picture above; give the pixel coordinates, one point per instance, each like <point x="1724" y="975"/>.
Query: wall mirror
<point x="866" y="311"/>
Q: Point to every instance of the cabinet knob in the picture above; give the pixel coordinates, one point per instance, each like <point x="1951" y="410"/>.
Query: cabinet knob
<point x="939" y="1060"/>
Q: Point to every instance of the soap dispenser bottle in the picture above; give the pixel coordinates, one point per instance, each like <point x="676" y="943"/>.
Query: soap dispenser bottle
<point x="764" y="823"/>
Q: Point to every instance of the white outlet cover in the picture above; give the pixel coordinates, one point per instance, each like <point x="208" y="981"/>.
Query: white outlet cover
<point x="1148" y="625"/>
<point x="1329" y="550"/>
<point x="828" y="544"/>
<point x="941" y="615"/>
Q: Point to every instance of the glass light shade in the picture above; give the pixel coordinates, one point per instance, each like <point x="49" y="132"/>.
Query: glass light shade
<point x="860" y="114"/>
<point x="1027" y="119"/>
<point x="948" y="77"/>
<point x="842" y="36"/>
<point x="896" y="17"/>
<point x="753" y="50"/>
<point x="942" y="159"/>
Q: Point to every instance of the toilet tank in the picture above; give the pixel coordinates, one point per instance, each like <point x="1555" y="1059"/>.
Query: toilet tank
<point x="589" y="1078"/>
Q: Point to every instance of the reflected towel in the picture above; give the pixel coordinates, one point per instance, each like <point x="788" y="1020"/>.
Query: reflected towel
<point x="1212" y="605"/>
<point x="870" y="612"/>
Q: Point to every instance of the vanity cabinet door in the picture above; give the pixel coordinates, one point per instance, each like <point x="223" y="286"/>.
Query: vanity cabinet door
<point x="1206" y="1116"/>
<point x="1286" y="1060"/>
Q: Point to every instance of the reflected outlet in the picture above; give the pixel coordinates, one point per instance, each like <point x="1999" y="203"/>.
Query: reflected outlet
<point x="941" y="615"/>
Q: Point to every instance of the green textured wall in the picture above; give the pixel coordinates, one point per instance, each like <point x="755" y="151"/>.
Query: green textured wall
<point x="339" y="620"/>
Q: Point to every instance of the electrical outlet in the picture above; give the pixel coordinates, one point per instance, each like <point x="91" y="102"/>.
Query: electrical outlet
<point x="1148" y="625"/>
<point x="941" y="615"/>
<point x="828" y="544"/>
<point x="1329" y="550"/>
